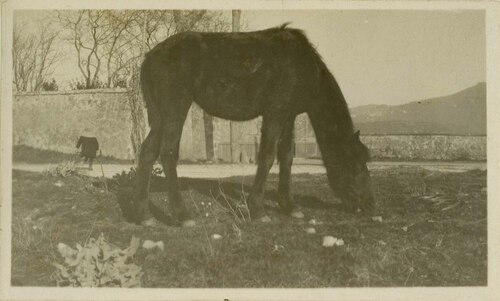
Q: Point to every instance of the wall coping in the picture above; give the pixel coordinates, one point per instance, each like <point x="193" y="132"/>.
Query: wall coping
<point x="68" y="92"/>
<point x="418" y="134"/>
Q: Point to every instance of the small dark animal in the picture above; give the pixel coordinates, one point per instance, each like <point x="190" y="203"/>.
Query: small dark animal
<point x="274" y="73"/>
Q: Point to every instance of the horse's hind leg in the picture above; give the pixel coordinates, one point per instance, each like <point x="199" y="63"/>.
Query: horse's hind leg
<point x="271" y="130"/>
<point x="285" y="159"/>
<point x="150" y="150"/>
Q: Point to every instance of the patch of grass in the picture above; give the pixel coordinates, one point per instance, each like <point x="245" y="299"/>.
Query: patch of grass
<point x="433" y="232"/>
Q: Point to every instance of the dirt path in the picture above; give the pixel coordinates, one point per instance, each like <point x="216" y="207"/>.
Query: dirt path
<point x="227" y="170"/>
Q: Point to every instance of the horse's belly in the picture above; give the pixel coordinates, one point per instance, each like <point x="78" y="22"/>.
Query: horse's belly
<point x="231" y="100"/>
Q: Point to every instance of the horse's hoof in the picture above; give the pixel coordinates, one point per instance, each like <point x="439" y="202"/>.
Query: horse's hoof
<point x="188" y="223"/>
<point x="257" y="213"/>
<point x="151" y="222"/>
<point x="265" y="219"/>
<point x="297" y="214"/>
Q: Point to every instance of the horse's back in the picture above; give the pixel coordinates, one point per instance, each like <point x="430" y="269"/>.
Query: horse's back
<point x="235" y="75"/>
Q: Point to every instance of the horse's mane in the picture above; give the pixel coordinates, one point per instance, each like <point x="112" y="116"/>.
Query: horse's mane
<point x="325" y="76"/>
<point x="333" y="116"/>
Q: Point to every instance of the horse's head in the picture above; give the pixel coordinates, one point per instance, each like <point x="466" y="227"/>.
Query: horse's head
<point x="351" y="182"/>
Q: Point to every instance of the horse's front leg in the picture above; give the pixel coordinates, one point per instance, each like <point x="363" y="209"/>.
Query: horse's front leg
<point x="271" y="130"/>
<point x="169" y="154"/>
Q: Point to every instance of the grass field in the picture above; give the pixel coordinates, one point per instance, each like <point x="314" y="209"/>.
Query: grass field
<point x="432" y="233"/>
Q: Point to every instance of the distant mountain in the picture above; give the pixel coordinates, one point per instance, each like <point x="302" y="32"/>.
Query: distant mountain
<point x="462" y="113"/>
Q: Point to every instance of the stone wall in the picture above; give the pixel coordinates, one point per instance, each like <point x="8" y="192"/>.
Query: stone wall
<point x="411" y="147"/>
<point x="55" y="120"/>
<point x="427" y="147"/>
<point x="400" y="147"/>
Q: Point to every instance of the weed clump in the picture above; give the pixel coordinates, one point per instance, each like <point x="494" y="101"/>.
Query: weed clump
<point x="98" y="264"/>
<point x="64" y="169"/>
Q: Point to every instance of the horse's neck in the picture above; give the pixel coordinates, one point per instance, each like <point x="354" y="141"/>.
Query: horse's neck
<point x="332" y="126"/>
<point x="330" y="116"/>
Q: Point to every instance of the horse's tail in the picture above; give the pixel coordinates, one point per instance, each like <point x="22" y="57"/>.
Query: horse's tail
<point x="149" y="94"/>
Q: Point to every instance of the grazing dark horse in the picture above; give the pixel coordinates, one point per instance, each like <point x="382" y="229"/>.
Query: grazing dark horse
<point x="274" y="73"/>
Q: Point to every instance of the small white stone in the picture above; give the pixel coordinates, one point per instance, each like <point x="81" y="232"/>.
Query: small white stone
<point x="339" y="242"/>
<point x="265" y="219"/>
<point x="312" y="222"/>
<point x="297" y="214"/>
<point x="189" y="223"/>
<point x="278" y="248"/>
<point x="329" y="241"/>
<point x="377" y="219"/>
<point x="148" y="244"/>
<point x="383" y="243"/>
<point x="160" y="245"/>
<point x="74" y="207"/>
<point x="404" y="228"/>
<point x="216" y="236"/>
<point x="151" y="222"/>
<point x="58" y="184"/>
<point x="311" y="230"/>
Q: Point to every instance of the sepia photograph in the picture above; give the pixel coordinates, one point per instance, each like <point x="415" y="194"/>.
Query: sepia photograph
<point x="248" y="147"/>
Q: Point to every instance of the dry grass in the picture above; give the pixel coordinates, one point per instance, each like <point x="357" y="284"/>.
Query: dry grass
<point x="433" y="232"/>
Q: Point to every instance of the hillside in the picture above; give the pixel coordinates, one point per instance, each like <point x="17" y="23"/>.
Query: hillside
<point x="462" y="113"/>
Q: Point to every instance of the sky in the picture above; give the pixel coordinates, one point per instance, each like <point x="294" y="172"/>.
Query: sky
<point x="377" y="56"/>
<point x="392" y="56"/>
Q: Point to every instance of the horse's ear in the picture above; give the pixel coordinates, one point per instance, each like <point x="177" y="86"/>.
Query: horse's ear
<point x="356" y="135"/>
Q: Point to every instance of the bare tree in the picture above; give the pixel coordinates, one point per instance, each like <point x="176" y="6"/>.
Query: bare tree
<point x="114" y="42"/>
<point x="116" y="48"/>
<point x="88" y="31"/>
<point x="24" y="66"/>
<point x="34" y="56"/>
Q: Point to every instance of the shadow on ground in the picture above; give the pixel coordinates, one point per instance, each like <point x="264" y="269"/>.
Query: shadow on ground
<point x="230" y="193"/>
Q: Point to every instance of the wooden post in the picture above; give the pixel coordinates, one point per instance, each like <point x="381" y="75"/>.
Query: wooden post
<point x="233" y="127"/>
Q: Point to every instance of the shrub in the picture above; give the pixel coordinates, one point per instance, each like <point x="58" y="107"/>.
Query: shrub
<point x="50" y="86"/>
